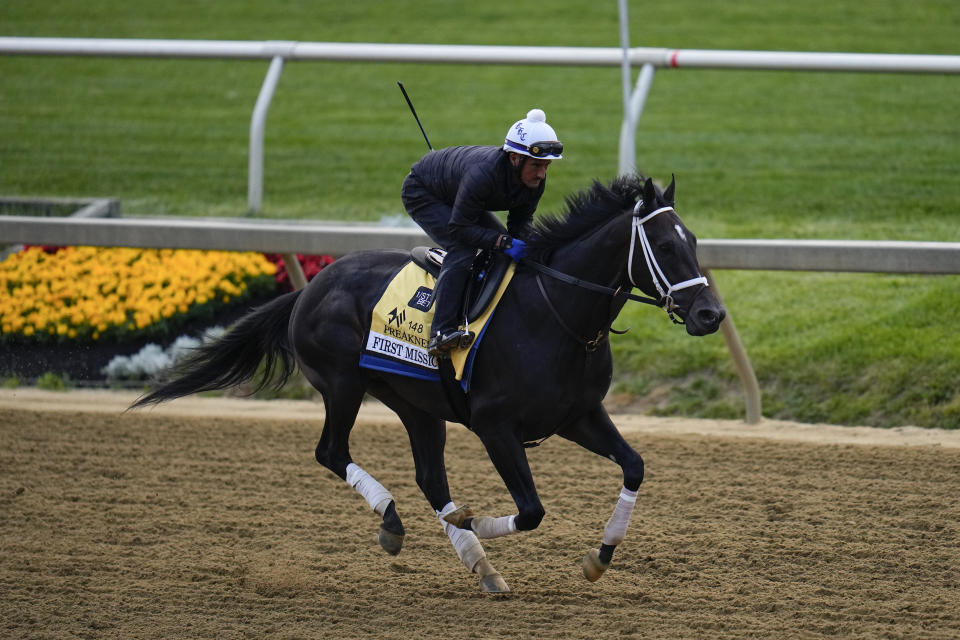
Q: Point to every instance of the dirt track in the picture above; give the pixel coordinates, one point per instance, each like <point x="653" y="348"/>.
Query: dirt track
<point x="210" y="519"/>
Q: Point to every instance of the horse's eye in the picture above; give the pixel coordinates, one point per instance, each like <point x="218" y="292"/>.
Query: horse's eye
<point x="665" y="248"/>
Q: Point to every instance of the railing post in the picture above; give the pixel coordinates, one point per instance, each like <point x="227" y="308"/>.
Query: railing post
<point x="292" y="265"/>
<point x="625" y="61"/>
<point x="628" y="131"/>
<point x="751" y="388"/>
<point x="627" y="159"/>
<point x="257" y="125"/>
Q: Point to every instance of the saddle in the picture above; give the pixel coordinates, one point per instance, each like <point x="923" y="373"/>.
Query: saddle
<point x="489" y="268"/>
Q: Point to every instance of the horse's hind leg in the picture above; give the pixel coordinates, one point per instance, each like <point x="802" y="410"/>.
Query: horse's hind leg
<point x="428" y="437"/>
<point x="342" y="398"/>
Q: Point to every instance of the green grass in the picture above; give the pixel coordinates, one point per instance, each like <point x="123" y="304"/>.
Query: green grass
<point x="841" y="348"/>
<point x="756" y="154"/>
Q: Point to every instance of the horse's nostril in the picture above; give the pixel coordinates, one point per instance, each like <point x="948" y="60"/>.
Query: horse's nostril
<point x="709" y="317"/>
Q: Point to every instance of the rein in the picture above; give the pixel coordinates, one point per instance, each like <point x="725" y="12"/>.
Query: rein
<point x="591" y="286"/>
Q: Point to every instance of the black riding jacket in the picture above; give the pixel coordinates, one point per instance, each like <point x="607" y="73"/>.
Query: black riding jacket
<point x="472" y="180"/>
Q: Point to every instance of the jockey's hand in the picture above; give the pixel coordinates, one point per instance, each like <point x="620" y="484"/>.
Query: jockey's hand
<point x="516" y="250"/>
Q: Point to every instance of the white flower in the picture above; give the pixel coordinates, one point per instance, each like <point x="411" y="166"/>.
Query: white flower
<point x="181" y="349"/>
<point x="152" y="360"/>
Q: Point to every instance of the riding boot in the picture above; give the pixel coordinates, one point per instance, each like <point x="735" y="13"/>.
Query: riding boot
<point x="444" y="332"/>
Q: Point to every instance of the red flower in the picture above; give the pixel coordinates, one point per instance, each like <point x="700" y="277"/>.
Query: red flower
<point x="310" y="264"/>
<point x="46" y="248"/>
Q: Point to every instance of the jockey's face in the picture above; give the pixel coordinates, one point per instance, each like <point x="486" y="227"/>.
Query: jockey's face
<point x="533" y="171"/>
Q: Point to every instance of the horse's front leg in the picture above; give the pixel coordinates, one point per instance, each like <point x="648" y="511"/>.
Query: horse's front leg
<point x="597" y="433"/>
<point x="509" y="458"/>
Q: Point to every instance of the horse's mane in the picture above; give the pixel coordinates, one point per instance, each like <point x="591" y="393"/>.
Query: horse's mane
<point x="586" y="211"/>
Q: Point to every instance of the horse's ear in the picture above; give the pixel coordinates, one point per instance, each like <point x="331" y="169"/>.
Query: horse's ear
<point x="668" y="194"/>
<point x="649" y="193"/>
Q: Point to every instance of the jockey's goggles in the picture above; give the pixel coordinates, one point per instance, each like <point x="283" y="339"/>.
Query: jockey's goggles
<point x="539" y="149"/>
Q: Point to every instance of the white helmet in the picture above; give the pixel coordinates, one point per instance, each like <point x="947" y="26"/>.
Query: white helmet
<point x="533" y="137"/>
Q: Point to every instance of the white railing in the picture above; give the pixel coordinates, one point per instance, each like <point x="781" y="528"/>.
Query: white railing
<point x="337" y="239"/>
<point x="648" y="58"/>
<point x="481" y="54"/>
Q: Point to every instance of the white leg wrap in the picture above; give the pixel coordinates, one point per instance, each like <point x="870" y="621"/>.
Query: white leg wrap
<point x="616" y="528"/>
<point x="487" y="527"/>
<point x="377" y="496"/>
<point x="468" y="548"/>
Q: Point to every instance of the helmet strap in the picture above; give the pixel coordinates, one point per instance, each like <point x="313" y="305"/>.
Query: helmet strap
<point x="517" y="161"/>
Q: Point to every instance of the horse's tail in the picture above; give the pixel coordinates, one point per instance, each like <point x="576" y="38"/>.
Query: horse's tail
<point x="235" y="357"/>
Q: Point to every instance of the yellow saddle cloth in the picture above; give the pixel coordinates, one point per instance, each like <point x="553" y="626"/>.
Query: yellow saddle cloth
<point x="400" y="328"/>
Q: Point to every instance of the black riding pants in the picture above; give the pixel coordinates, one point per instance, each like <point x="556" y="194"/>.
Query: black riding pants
<point x="433" y="216"/>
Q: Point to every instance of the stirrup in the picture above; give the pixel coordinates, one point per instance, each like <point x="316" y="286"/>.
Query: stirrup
<point x="442" y="343"/>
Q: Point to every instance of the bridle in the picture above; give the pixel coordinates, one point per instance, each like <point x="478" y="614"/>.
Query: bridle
<point x="660" y="281"/>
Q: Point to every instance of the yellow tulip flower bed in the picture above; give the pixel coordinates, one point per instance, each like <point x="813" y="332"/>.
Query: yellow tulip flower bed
<point x="95" y="294"/>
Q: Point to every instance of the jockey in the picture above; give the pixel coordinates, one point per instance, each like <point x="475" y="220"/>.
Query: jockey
<point x="451" y="193"/>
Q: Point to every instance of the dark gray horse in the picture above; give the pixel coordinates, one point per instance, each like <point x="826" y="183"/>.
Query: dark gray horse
<point x="542" y="368"/>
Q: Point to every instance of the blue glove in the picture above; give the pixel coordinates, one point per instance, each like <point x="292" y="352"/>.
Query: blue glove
<point x="517" y="250"/>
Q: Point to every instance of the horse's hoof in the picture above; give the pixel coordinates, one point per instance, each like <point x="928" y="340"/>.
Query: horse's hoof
<point x="593" y="567"/>
<point x="494" y="583"/>
<point x="390" y="541"/>
<point x="458" y="515"/>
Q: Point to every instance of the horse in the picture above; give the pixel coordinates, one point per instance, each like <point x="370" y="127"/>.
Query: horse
<point x="543" y="367"/>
